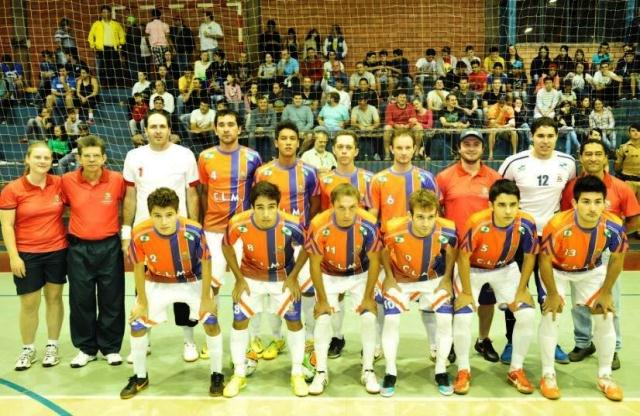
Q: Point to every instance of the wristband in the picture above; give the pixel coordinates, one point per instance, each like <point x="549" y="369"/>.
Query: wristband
<point x="125" y="232"/>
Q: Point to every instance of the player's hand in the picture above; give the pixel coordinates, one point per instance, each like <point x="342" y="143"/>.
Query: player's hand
<point x="240" y="287"/>
<point x="522" y="296"/>
<point x="462" y="300"/>
<point x="445" y="284"/>
<point x="125" y="247"/>
<point x="140" y="310"/>
<point x="388" y="284"/>
<point x="367" y="305"/>
<point x="604" y="304"/>
<point x="552" y="304"/>
<point x="321" y="308"/>
<point x="17" y="267"/>
<point x="291" y="283"/>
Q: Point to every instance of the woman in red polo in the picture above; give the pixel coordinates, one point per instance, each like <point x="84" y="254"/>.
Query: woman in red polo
<point x="31" y="215"/>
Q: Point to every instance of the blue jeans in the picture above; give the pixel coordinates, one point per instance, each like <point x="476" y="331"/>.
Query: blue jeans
<point x="570" y="138"/>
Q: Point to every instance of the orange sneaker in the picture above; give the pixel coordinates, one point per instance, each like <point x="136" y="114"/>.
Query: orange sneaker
<point x="610" y="388"/>
<point x="461" y="385"/>
<point x="519" y="380"/>
<point x="549" y="387"/>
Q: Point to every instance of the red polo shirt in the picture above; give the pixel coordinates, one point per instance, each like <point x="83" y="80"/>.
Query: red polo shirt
<point x="38" y="223"/>
<point x="94" y="208"/>
<point x="462" y="195"/>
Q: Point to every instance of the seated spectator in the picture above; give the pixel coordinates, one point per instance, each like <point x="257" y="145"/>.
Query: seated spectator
<point x="447" y="60"/>
<point x="169" y="82"/>
<point x="14" y="74"/>
<point x="364" y="91"/>
<point x="311" y="66"/>
<point x="361" y="73"/>
<point x="313" y="41"/>
<point x="38" y="127"/>
<point x="244" y="70"/>
<point x="318" y="156"/>
<point x="552" y="72"/>
<point x="600" y="56"/>
<point x="329" y="64"/>
<point x="371" y="61"/>
<point x="539" y="64"/>
<point x="173" y="68"/>
<point x="218" y="71"/>
<point x="501" y="118"/>
<point x="400" y="115"/>
<point x="493" y="58"/>
<point x="251" y="98"/>
<point x="63" y="88"/>
<point x="72" y="125"/>
<point x="69" y="162"/>
<point x="418" y="93"/>
<point x="261" y="126"/>
<point x="201" y="125"/>
<point x="74" y="64"/>
<point x="385" y="81"/>
<point x="168" y="100"/>
<point x="437" y="96"/>
<point x="452" y="117"/>
<point x="299" y="114"/>
<point x="511" y="59"/>
<point x="142" y="86"/>
<point x="477" y="78"/>
<point x="333" y="115"/>
<point x="87" y="95"/>
<point x="469" y="56"/>
<point x="267" y="73"/>
<point x="517" y="81"/>
<point x="311" y="95"/>
<point x="189" y="89"/>
<point x="564" y="62"/>
<point x="158" y="104"/>
<point x="628" y="68"/>
<point x="138" y="113"/>
<point x="233" y="93"/>
<point x="491" y="97"/>
<point x="345" y="98"/>
<point x="567" y="93"/>
<point x="401" y="70"/>
<point x="288" y="69"/>
<point x="498" y="73"/>
<point x="604" y="86"/>
<point x="546" y="100"/>
<point x="581" y="116"/>
<point x="627" y="164"/>
<point x="468" y="102"/>
<point x="428" y="69"/>
<point x="424" y="116"/>
<point x="48" y="70"/>
<point x="521" y="116"/>
<point x="337" y="74"/>
<point x="278" y="94"/>
<point x="365" y="119"/>
<point x="452" y="79"/>
<point x="580" y="81"/>
<point x="5" y="100"/>
<point x="566" y="126"/>
<point x="58" y="144"/>
<point x="602" y="118"/>
<point x="579" y="57"/>
<point x="201" y="67"/>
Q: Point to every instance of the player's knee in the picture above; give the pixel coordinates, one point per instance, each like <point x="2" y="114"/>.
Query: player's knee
<point x="212" y="330"/>
<point x="294" y="326"/>
<point x="138" y="330"/>
<point x="241" y="324"/>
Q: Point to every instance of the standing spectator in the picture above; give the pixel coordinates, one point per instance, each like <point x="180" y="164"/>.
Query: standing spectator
<point x="539" y="64"/>
<point x="106" y="37"/>
<point x="318" y="156"/>
<point x="34" y="236"/>
<point x="65" y="40"/>
<point x="96" y="263"/>
<point x="157" y="31"/>
<point x="269" y="42"/>
<point x="627" y="163"/>
<point x="601" y="117"/>
<point x="546" y="100"/>
<point x="312" y="40"/>
<point x="138" y="113"/>
<point x="261" y="126"/>
<point x="87" y="90"/>
<point x="335" y="42"/>
<point x="210" y="33"/>
<point x="132" y="48"/>
<point x="13" y="73"/>
<point x="564" y="61"/>
<point x="183" y="42"/>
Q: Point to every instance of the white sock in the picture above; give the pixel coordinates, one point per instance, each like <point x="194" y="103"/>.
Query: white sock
<point x="187" y="333"/>
<point x="444" y="338"/>
<point x="548" y="339"/>
<point x="379" y="324"/>
<point x="32" y="347"/>
<point x="390" y="341"/>
<point x="52" y="342"/>
<point x="429" y="323"/>
<point x="254" y="325"/>
<point x="461" y="339"/>
<point x="336" y="321"/>
<point x="604" y="339"/>
<point x="275" y="322"/>
<point x="238" y="342"/>
<point x="139" y="355"/>
<point x="368" y="328"/>
<point x="308" y="302"/>
<point x="322" y="339"/>
<point x="214" y="345"/>
<point x="295" y="339"/>
<point x="522" y="335"/>
<point x="90" y="114"/>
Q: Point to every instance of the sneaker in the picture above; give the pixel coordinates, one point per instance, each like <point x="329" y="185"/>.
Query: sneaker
<point x="320" y="381"/>
<point x="309" y="366"/>
<point x="299" y="386"/>
<point x="579" y="354"/>
<point x="114" y="359"/>
<point x="130" y="356"/>
<point x="50" y="356"/>
<point x="370" y="382"/>
<point x="388" y="388"/>
<point x="251" y="363"/>
<point x="549" y="387"/>
<point x="461" y="385"/>
<point x="444" y="385"/>
<point x="25" y="359"/>
<point x="275" y="348"/>
<point x="335" y="347"/>
<point x="204" y="352"/>
<point x="190" y="352"/>
<point x="561" y="356"/>
<point x="518" y="379"/>
<point x="217" y="385"/>
<point x="485" y="348"/>
<point x="234" y="386"/>
<point x="82" y="359"/>
<point x="615" y="363"/>
<point x="134" y="386"/>
<point x="610" y="388"/>
<point x="505" y="357"/>
<point x="256" y="346"/>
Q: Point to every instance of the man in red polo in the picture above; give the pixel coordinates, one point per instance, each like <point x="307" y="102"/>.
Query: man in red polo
<point x="96" y="264"/>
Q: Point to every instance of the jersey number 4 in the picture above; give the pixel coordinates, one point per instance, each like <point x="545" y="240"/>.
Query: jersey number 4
<point x="543" y="180"/>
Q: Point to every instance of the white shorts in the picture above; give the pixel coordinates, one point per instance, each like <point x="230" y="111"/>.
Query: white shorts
<point x="162" y="295"/>
<point x="586" y="284"/>
<point x="399" y="301"/>
<point x="334" y="286"/>
<point x="218" y="262"/>
<point x="503" y="281"/>
<point x="279" y="302"/>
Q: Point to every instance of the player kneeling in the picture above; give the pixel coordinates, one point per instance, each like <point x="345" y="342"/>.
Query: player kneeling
<point x="486" y="255"/>
<point x="178" y="269"/>
<point x="417" y="270"/>
<point x="268" y="270"/>
<point x="344" y="246"/>
<point x="572" y="246"/>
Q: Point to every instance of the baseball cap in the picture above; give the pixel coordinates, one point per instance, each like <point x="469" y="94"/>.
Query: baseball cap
<point x="471" y="133"/>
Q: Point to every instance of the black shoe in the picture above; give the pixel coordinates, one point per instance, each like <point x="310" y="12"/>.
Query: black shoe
<point x="452" y="356"/>
<point x="335" y="348"/>
<point x="579" y="354"/>
<point x="485" y="348"/>
<point x="134" y="386"/>
<point x="615" y="364"/>
<point x="217" y="385"/>
<point x="388" y="388"/>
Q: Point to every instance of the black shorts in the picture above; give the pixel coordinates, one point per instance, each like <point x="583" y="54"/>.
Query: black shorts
<point x="42" y="268"/>
<point x="486" y="296"/>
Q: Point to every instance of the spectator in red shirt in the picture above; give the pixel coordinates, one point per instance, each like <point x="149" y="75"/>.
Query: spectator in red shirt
<point x="477" y="77"/>
<point x="138" y="112"/>
<point x="401" y="115"/>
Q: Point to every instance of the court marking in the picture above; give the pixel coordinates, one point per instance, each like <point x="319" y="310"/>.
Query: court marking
<point x="35" y="396"/>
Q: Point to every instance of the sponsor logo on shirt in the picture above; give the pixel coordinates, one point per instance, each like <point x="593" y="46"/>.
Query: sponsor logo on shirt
<point x="107" y="198"/>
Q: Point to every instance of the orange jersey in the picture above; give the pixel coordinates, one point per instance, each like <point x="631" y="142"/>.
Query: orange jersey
<point x="361" y="179"/>
<point x="390" y="191"/>
<point x="228" y="177"/>
<point x="416" y="258"/>
<point x="344" y="250"/>
<point x="267" y="255"/>
<point x="175" y="258"/>
<point x="575" y="249"/>
<point x="492" y="247"/>
<point x="297" y="183"/>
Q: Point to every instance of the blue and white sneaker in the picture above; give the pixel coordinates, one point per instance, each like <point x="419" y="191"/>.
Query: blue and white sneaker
<point x="444" y="384"/>
<point x="561" y="356"/>
<point x="505" y="357"/>
<point x="388" y="388"/>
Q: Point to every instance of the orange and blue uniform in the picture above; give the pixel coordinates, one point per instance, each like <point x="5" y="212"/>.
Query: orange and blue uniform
<point x="267" y="255"/>
<point x="297" y="183"/>
<point x="175" y="258"/>
<point x="360" y="179"/>
<point x="228" y="176"/>
<point x="416" y="259"/>
<point x="343" y="250"/>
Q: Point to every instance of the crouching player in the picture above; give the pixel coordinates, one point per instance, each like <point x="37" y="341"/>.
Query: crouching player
<point x="344" y="247"/>
<point x="572" y="246"/>
<point x="178" y="269"/>
<point x="267" y="269"/>
<point x="419" y="254"/>
<point x="486" y="255"/>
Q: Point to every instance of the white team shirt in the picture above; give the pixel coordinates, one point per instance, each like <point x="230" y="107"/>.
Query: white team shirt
<point x="540" y="181"/>
<point x="174" y="168"/>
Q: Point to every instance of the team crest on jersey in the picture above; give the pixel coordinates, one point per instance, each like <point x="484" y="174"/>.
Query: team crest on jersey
<point x="390" y="200"/>
<point x="607" y="233"/>
<point x="382" y="179"/>
<point x="399" y="239"/>
<point x="559" y="179"/>
<point x="189" y="236"/>
<point x="363" y="230"/>
<point x="327" y="179"/>
<point x="107" y="198"/>
<point x="522" y="168"/>
<point x="56" y="199"/>
<point x="267" y="172"/>
<point x="443" y="239"/>
<point x="286" y="231"/>
<point x="484" y="229"/>
<point x="242" y="229"/>
<point x="144" y="238"/>
<point x="326" y="232"/>
<point x="521" y="230"/>
<point x="567" y="233"/>
<point x="209" y="155"/>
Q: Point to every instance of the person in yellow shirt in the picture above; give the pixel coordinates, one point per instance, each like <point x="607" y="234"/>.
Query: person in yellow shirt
<point x="106" y="37"/>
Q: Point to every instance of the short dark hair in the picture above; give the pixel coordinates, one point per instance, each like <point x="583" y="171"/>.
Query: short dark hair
<point x="468" y="48"/>
<point x="503" y="186"/>
<point x="398" y="52"/>
<point x="266" y="189"/>
<point x="593" y="141"/>
<point x="91" y="141"/>
<point x="163" y="198"/>
<point x="105" y="7"/>
<point x="430" y="52"/>
<point x="543" y="122"/>
<point x="498" y="65"/>
<point x="156" y="13"/>
<point x="163" y="113"/>
<point x="286" y="125"/>
<point x="494" y="49"/>
<point x="351" y="134"/>
<point x="634" y="125"/>
<point x="227" y="112"/>
<point x="589" y="183"/>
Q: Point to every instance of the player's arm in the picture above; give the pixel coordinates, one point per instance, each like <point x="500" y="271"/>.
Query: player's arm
<point x="522" y="294"/>
<point x="193" y="203"/>
<point x="314" y="206"/>
<point x="632" y="224"/>
<point x="207" y="302"/>
<point x="241" y="284"/>
<point x="204" y="200"/>
<point x="128" y="214"/>
<point x="322" y="304"/>
<point x="141" y="306"/>
<point x="604" y="301"/>
<point x="389" y="278"/>
<point x="451" y="254"/>
<point x="368" y="303"/>
<point x="8" y="217"/>
<point x="464" y="270"/>
<point x="292" y="278"/>
<point x="553" y="301"/>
